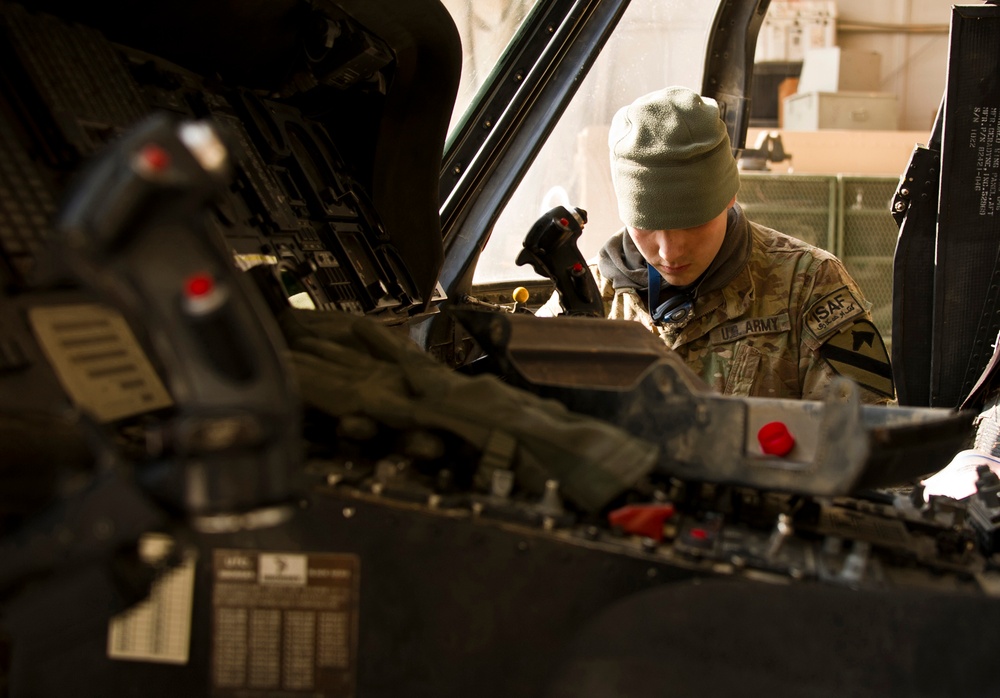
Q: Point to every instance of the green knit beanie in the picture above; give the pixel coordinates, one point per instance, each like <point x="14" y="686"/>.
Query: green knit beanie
<point x="672" y="165"/>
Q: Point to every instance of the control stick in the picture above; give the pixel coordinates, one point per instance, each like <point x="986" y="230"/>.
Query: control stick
<point x="550" y="248"/>
<point x="137" y="232"/>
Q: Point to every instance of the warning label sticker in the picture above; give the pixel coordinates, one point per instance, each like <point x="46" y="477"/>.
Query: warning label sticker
<point x="98" y="360"/>
<point x="284" y="622"/>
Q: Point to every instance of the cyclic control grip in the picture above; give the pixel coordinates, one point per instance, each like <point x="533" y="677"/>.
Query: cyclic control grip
<point x="550" y="248"/>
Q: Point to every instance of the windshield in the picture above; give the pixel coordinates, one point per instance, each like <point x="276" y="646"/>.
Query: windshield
<point x="486" y="28"/>
<point x="657" y="43"/>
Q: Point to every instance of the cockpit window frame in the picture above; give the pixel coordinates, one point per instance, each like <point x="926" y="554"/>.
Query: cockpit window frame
<point x="514" y="113"/>
<point x="495" y="142"/>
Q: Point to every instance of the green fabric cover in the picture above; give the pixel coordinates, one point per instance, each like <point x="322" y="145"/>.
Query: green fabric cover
<point x="351" y="365"/>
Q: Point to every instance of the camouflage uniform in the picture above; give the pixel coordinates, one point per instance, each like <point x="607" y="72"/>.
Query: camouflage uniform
<point x="762" y="334"/>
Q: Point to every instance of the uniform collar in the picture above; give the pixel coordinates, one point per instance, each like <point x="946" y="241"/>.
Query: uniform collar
<point x="716" y="308"/>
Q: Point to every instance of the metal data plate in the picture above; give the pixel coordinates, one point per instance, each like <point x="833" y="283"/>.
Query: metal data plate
<point x="284" y="621"/>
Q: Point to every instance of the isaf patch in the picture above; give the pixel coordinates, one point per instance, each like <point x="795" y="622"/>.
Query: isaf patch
<point x="859" y="353"/>
<point x="832" y="312"/>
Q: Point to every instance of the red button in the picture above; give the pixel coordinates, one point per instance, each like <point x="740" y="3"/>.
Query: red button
<point x="198" y="286"/>
<point x="155" y="158"/>
<point x="564" y="222"/>
<point x="775" y="440"/>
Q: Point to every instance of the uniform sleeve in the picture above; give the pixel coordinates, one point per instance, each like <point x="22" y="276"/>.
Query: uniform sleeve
<point x="819" y="376"/>
<point x="838" y="337"/>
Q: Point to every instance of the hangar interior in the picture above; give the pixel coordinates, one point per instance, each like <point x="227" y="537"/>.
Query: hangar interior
<point x="874" y="80"/>
<point x="277" y="418"/>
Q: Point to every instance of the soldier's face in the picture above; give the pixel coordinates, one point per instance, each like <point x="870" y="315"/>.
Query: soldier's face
<point x="683" y="254"/>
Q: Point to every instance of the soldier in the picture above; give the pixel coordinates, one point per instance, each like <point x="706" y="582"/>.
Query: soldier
<point x="754" y="312"/>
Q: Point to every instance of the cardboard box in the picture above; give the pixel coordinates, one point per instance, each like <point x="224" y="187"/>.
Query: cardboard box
<point x="836" y="69"/>
<point x="870" y="111"/>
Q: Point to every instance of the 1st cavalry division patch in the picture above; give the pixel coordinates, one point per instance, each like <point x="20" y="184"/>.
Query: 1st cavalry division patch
<point x="859" y="353"/>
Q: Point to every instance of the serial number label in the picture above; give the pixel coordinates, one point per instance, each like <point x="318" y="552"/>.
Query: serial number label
<point x="983" y="144"/>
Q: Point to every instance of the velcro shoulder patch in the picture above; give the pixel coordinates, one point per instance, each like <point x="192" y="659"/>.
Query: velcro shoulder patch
<point x="859" y="353"/>
<point x="832" y="312"/>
